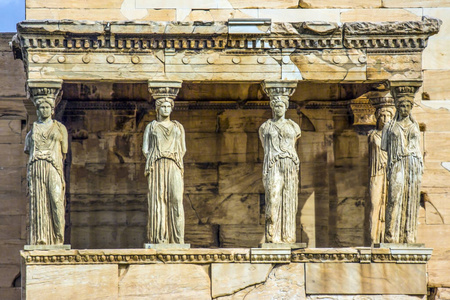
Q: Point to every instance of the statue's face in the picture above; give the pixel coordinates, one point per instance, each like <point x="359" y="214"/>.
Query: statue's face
<point x="165" y="109"/>
<point x="404" y="108"/>
<point x="45" y="110"/>
<point x="384" y="116"/>
<point x="279" y="109"/>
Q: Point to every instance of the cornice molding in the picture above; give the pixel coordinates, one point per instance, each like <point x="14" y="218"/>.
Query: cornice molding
<point x="147" y="36"/>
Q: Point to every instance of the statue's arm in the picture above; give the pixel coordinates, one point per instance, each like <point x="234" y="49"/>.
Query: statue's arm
<point x="384" y="137"/>
<point x="298" y="131"/>
<point x="27" y="143"/>
<point x="146" y="141"/>
<point x="261" y="133"/>
<point x="64" y="141"/>
<point x="183" y="140"/>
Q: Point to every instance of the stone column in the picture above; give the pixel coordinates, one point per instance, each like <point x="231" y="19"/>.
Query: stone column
<point x="383" y="103"/>
<point x="401" y="140"/>
<point x="281" y="168"/>
<point x="164" y="148"/>
<point x="47" y="146"/>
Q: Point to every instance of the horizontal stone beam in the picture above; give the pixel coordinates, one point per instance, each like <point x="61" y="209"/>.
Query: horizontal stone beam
<point x="253" y="51"/>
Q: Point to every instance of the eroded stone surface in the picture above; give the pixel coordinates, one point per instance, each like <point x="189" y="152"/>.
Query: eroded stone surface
<point x="164" y="281"/>
<point x="355" y="279"/>
<point x="284" y="282"/>
<point x="227" y="279"/>
<point x="80" y="282"/>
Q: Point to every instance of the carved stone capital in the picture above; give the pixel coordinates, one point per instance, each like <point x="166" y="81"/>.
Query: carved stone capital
<point x="279" y="88"/>
<point x="404" y="90"/>
<point x="164" y="88"/>
<point x="379" y="99"/>
<point x="363" y="112"/>
<point x="48" y="89"/>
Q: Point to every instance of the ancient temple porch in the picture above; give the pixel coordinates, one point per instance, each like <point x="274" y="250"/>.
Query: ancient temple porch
<point x="105" y="71"/>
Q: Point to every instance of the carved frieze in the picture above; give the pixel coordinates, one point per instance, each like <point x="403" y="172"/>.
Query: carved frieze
<point x="254" y="255"/>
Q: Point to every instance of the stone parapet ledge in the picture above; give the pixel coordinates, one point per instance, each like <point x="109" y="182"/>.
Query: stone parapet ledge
<point x="228" y="255"/>
<point x="238" y="273"/>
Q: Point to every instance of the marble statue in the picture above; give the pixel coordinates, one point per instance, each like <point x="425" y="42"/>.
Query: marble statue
<point x="280" y="172"/>
<point x="401" y="140"/>
<point x="47" y="145"/>
<point x="377" y="169"/>
<point x="164" y="148"/>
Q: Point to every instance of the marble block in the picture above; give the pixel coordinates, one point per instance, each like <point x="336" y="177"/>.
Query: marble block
<point x="54" y="282"/>
<point x="230" y="278"/>
<point x="164" y="281"/>
<point x="374" y="278"/>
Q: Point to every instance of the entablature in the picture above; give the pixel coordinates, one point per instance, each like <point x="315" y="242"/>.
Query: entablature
<point x="237" y="50"/>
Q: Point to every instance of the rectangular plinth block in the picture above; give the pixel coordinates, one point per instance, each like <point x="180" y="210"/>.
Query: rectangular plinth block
<point x="283" y="246"/>
<point x="70" y="282"/>
<point x="356" y="279"/>
<point x="167" y="246"/>
<point x="46" y="247"/>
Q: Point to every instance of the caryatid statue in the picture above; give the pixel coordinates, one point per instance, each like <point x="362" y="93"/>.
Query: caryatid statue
<point x="46" y="144"/>
<point x="164" y="148"/>
<point x="401" y="140"/>
<point x="281" y="165"/>
<point x="384" y="106"/>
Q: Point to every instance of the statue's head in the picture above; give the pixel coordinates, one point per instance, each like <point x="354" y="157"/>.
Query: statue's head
<point x="45" y="107"/>
<point x="279" y="105"/>
<point x="404" y="106"/>
<point x="383" y="115"/>
<point x="164" y="107"/>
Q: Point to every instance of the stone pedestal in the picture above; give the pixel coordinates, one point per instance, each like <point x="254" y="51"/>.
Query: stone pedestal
<point x="398" y="245"/>
<point x="167" y="246"/>
<point x="46" y="247"/>
<point x="283" y="246"/>
<point x="233" y="273"/>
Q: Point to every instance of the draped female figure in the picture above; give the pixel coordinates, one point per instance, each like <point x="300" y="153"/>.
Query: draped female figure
<point x="164" y="148"/>
<point x="280" y="173"/>
<point x="401" y="140"/>
<point x="378" y="179"/>
<point x="47" y="145"/>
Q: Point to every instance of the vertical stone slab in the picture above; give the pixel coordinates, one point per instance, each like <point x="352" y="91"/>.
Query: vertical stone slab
<point x="55" y="282"/>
